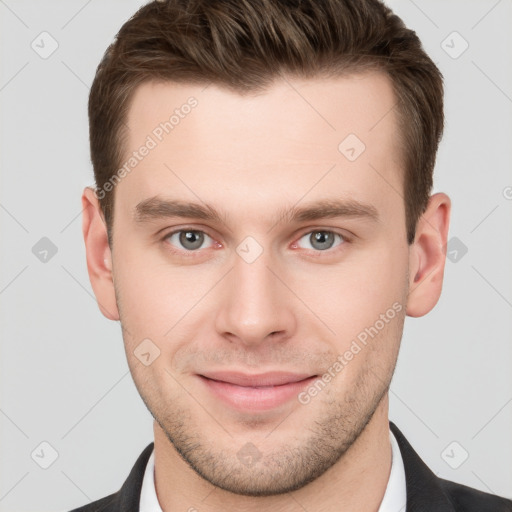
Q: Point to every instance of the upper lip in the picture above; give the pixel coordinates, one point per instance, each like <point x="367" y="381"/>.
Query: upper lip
<point x="260" y="379"/>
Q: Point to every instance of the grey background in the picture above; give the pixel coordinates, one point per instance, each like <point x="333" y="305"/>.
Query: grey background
<point x="64" y="376"/>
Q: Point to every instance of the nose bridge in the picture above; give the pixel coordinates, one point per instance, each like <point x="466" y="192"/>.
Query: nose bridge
<point x="254" y="302"/>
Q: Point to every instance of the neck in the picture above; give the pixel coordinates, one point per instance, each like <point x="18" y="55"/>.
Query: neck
<point x="356" y="482"/>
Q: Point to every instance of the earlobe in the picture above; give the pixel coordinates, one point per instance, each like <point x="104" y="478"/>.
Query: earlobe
<point x="427" y="256"/>
<point x="98" y="254"/>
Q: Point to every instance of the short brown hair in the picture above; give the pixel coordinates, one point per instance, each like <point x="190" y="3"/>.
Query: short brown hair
<point x="244" y="45"/>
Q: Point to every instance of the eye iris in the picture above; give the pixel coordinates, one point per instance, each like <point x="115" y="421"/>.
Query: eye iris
<point x="322" y="240"/>
<point x="191" y="239"/>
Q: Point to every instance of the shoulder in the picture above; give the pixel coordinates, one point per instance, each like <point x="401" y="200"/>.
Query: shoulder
<point x="426" y="491"/>
<point x="468" y="499"/>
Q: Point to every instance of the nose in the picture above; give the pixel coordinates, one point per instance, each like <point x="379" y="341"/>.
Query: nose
<point x="255" y="306"/>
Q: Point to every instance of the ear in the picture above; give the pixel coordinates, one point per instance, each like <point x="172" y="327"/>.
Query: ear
<point x="99" y="257"/>
<point x="427" y="256"/>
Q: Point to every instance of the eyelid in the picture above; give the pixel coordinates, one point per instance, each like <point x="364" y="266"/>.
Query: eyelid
<point x="347" y="235"/>
<point x="179" y="229"/>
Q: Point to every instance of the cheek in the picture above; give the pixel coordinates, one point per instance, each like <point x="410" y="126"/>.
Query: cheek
<point x="351" y="296"/>
<point x="154" y="295"/>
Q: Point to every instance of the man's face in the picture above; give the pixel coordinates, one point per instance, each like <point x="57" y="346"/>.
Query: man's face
<point x="258" y="291"/>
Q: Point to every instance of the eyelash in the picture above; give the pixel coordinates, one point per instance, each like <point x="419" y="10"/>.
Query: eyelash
<point x="316" y="253"/>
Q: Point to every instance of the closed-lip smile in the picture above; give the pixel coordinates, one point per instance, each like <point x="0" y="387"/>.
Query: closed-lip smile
<point x="255" y="392"/>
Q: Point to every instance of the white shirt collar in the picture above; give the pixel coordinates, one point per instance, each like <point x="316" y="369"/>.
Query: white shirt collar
<point x="394" y="498"/>
<point x="148" y="498"/>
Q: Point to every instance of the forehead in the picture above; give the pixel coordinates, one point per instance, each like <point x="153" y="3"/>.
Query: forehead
<point x="312" y="139"/>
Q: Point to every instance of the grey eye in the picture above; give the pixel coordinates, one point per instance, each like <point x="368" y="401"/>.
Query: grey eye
<point x="321" y="240"/>
<point x="188" y="239"/>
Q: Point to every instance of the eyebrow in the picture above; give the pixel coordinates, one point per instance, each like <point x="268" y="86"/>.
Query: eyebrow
<point x="156" y="208"/>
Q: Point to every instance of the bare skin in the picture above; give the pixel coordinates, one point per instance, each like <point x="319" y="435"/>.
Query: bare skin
<point x="297" y="307"/>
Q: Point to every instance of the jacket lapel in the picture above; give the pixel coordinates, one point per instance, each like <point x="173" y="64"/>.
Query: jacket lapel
<point x="422" y="486"/>
<point x="128" y="497"/>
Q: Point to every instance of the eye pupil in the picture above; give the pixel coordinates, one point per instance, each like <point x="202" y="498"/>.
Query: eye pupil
<point x="322" y="240"/>
<point x="191" y="239"/>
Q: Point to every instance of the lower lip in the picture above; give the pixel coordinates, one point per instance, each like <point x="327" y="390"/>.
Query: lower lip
<point x="255" y="399"/>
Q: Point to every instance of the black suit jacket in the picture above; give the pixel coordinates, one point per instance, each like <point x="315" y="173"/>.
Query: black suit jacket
<point x="425" y="491"/>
